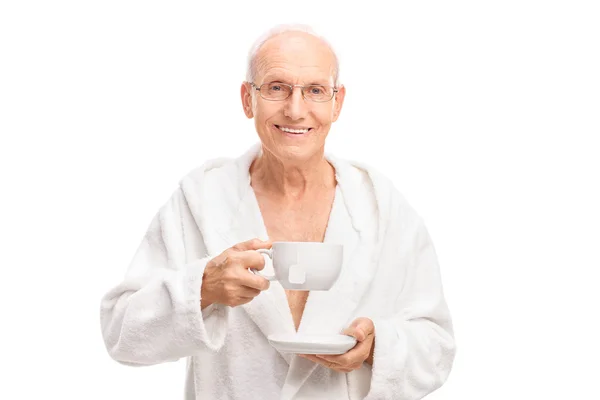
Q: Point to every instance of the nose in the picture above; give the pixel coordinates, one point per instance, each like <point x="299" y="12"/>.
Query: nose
<point x="295" y="107"/>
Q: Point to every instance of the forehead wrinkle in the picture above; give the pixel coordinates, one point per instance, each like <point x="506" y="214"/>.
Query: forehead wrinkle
<point x="305" y="74"/>
<point x="283" y="75"/>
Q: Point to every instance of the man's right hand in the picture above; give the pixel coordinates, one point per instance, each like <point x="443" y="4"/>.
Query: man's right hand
<point x="227" y="279"/>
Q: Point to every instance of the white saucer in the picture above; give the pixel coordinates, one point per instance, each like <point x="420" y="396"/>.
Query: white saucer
<point x="312" y="343"/>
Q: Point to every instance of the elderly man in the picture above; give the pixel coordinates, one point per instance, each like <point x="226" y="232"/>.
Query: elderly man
<point x="189" y="293"/>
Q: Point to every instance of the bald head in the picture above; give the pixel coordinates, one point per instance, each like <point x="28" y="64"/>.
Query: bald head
<point x="296" y="45"/>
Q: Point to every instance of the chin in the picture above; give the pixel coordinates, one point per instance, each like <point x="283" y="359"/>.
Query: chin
<point x="295" y="153"/>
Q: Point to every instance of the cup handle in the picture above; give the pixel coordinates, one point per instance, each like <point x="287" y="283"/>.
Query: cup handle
<point x="268" y="252"/>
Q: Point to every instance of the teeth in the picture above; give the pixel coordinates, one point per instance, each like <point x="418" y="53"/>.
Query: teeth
<point x="293" y="130"/>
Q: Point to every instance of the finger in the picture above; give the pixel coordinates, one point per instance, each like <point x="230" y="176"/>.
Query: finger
<point x="252" y="281"/>
<point x="252" y="244"/>
<point x="318" y="360"/>
<point x="243" y="300"/>
<point x="238" y="275"/>
<point x="248" y="292"/>
<point x="339" y="360"/>
<point x="251" y="259"/>
<point x="243" y="262"/>
<point x="342" y="360"/>
<point x="346" y="365"/>
<point x="357" y="354"/>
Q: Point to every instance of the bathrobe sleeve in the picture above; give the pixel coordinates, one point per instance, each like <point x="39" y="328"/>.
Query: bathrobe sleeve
<point x="414" y="347"/>
<point x="154" y="314"/>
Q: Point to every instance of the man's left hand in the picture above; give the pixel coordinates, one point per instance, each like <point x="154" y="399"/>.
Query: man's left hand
<point x="363" y="330"/>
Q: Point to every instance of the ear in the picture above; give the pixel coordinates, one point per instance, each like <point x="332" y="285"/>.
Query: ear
<point x="339" y="102"/>
<point x="246" y="93"/>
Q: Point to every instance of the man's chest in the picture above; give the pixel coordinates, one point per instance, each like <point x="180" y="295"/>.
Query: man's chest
<point x="304" y="223"/>
<point x="296" y="227"/>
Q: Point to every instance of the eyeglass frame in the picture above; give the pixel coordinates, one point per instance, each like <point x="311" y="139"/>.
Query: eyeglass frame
<point x="335" y="90"/>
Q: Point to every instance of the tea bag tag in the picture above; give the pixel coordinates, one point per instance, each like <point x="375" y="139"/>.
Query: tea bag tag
<point x="297" y="275"/>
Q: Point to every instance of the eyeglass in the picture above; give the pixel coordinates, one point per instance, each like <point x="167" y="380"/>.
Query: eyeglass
<point x="276" y="91"/>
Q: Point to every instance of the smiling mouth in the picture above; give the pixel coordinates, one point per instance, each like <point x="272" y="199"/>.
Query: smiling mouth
<point x="294" y="131"/>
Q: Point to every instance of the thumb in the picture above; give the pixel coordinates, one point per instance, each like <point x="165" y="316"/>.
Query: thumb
<point x="359" y="329"/>
<point x="253" y="244"/>
<point x="356" y="332"/>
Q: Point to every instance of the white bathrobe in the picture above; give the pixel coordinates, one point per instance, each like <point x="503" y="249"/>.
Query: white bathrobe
<point x="390" y="275"/>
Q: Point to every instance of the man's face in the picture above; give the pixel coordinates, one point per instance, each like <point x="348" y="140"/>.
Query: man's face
<point x="293" y="58"/>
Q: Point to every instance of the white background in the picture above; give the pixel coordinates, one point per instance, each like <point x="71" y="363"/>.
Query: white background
<point x="485" y="115"/>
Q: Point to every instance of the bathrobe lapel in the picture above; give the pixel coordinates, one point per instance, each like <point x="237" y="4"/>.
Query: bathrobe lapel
<point x="356" y="227"/>
<point x="219" y="202"/>
<point x="269" y="310"/>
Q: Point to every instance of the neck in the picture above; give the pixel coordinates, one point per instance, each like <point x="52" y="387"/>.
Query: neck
<point x="291" y="179"/>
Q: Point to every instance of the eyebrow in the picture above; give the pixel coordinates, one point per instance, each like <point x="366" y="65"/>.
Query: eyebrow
<point x="321" y="82"/>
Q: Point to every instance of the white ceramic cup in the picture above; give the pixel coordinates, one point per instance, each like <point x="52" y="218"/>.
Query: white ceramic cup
<point x="304" y="265"/>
